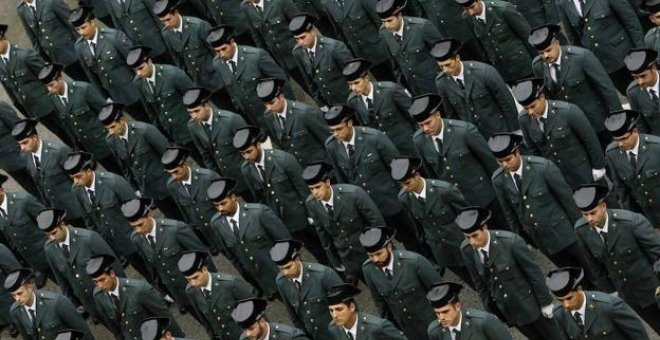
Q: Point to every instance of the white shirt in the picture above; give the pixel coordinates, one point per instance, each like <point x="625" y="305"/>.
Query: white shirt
<point x="33" y="307"/>
<point x="400" y="31"/>
<point x="578" y="6"/>
<point x="32" y="4"/>
<point x="209" y="121"/>
<point x="486" y="248"/>
<point x="3" y="205"/>
<point x="605" y="226"/>
<point x="440" y="135"/>
<point x="234" y="217"/>
<point x="655" y="87"/>
<point x="300" y="276"/>
<point x="518" y="172"/>
<point x="152" y="233"/>
<point x="188" y="181"/>
<point x="65" y="96"/>
<point x="262" y="161"/>
<point x="283" y="113"/>
<point x="370" y="95"/>
<point x="350" y="142"/>
<point x="461" y="75"/>
<point x="67" y="239"/>
<point x="267" y="336"/>
<point x="152" y="79"/>
<point x="582" y="310"/>
<point x="180" y="28"/>
<point x="125" y="134"/>
<point x="6" y="54"/>
<point x="38" y="152"/>
<point x="234" y="58"/>
<point x="390" y="265"/>
<point x="329" y="201"/>
<point x="422" y="193"/>
<point x="353" y="329"/>
<point x="209" y="284"/>
<point x="552" y="69"/>
<point x="93" y="186"/>
<point x="259" y="4"/>
<point x="457" y="327"/>
<point x="115" y="291"/>
<point x="482" y="15"/>
<point x="635" y="149"/>
<point x="93" y="41"/>
<point x="313" y="49"/>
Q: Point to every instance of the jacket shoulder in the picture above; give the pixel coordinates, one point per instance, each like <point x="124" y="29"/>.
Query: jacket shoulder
<point x="599" y="296"/>
<point x="558" y="104"/>
<point x="650" y="139"/>
<point x="329" y="140"/>
<point x="499" y="172"/>
<point x="536" y="160"/>
<point x="633" y="87"/>
<point x="622" y="215"/>
<point x="537" y="60"/>
<point x="436" y="183"/>
<point x="416" y="20"/>
<point x="345" y="188"/>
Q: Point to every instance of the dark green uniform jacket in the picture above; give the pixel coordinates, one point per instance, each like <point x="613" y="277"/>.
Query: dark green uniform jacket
<point x="543" y="208"/>
<point x="446" y="16"/>
<point x="513" y="280"/>
<point x="504" y="39"/>
<point x="436" y="214"/>
<point x="228" y="13"/>
<point x="49" y="30"/>
<point x="486" y="101"/>
<point x="281" y="331"/>
<point x="369" y="167"/>
<point x="136" y="19"/>
<point x="165" y="101"/>
<point x="10" y="152"/>
<point x="104" y="215"/>
<point x="55" y="313"/>
<point x="282" y="189"/>
<point x="638" y="189"/>
<point x="138" y="300"/>
<point x="475" y="325"/>
<point x="304" y="132"/>
<point x="389" y="113"/>
<point x="466" y="160"/>
<point x="652" y="39"/>
<point x="609" y="29"/>
<point x="141" y="159"/>
<point x="632" y="248"/>
<point x="215" y="311"/>
<point x="69" y="272"/>
<point x="413" y="56"/>
<point x="567" y="139"/>
<point x="106" y="68"/>
<point x="258" y="229"/>
<point x="339" y="233"/>
<point x="192" y="53"/>
<point x="8" y="263"/>
<point x="325" y="81"/>
<point x="308" y="307"/>
<point x="640" y="100"/>
<point x="369" y="327"/>
<point x="402" y="300"/>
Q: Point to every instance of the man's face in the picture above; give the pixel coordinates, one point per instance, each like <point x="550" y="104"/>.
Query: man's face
<point x="252" y="154"/>
<point x="170" y="20"/>
<point x="381" y="257"/>
<point x="449" y="314"/>
<point x="511" y="162"/>
<point x="412" y="184"/>
<point x="199" y="279"/>
<point x="275" y="105"/>
<point x="655" y="18"/>
<point x="572" y="301"/>
<point x="393" y="23"/>
<point x="200" y="113"/>
<point x="4" y="44"/>
<point x="29" y="144"/>
<point x="306" y="39"/>
<point x="180" y="173"/>
<point x="143" y="225"/>
<point x="58" y="234"/>
<point x="106" y="282"/>
<point x="343" y="314"/>
<point x="56" y="86"/>
<point x="360" y="86"/>
<point x="225" y="51"/>
<point x="537" y="107"/>
<point x="478" y="238"/>
<point x="451" y="66"/>
<point x="474" y="9"/>
<point x="291" y="270"/>
<point x="343" y="131"/>
<point x="596" y="216"/>
<point x="628" y="141"/>
<point x="646" y="78"/>
<point x="321" y="190"/>
<point x="257" y="331"/>
<point x="551" y="53"/>
<point x="144" y="70"/>
<point x="431" y="126"/>
<point x="227" y="206"/>
<point x="116" y="128"/>
<point x="24" y="294"/>
<point x="87" y="30"/>
<point x="83" y="178"/>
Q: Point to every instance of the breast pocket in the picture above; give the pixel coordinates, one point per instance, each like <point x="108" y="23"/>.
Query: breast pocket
<point x="561" y="137"/>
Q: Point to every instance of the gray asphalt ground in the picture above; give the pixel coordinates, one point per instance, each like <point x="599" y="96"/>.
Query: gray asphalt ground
<point x="276" y="310"/>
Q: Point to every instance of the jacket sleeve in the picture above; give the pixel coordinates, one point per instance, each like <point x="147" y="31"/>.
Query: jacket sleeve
<point x="188" y="239"/>
<point x="151" y="300"/>
<point x="530" y="268"/>
<point x="403" y="101"/>
<point x="503" y="97"/>
<point x="518" y="25"/>
<point x="480" y="149"/>
<point x="493" y="328"/>
<point x="581" y="128"/>
<point x="156" y="139"/>
<point x="560" y="190"/>
<point x="273" y="224"/>
<point x="316" y="125"/>
<point x="368" y="209"/>
<point x="628" y="18"/>
<point x="387" y="331"/>
<point x="626" y="321"/>
<point x="67" y="313"/>
<point x="647" y="237"/>
<point x="499" y="186"/>
<point x="426" y="273"/>
<point x="601" y="81"/>
<point x="269" y="68"/>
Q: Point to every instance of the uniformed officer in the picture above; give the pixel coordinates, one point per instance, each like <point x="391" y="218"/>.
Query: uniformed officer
<point x="294" y="126"/>
<point x="340" y="211"/>
<point x="67" y="250"/>
<point x="623" y="246"/>
<point x="303" y="287"/>
<point x="70" y="334"/>
<point x="560" y="132"/>
<point x="136" y="19"/>
<point x="247" y="231"/>
<point x="124" y="303"/>
<point x="11" y="160"/>
<point x="46" y="23"/>
<point x="536" y="200"/>
<point x="40" y="314"/>
<point x="212" y="132"/>
<point x="434" y="204"/>
<point x="503" y="33"/>
<point x="652" y="36"/>
<point x="241" y="67"/>
<point x="161" y="89"/>
<point x="583" y="314"/>
<point x="78" y="104"/>
<point x="382" y="105"/>
<point x="250" y="315"/>
<point x="408" y="41"/>
<point x="454" y="151"/>
<point x="575" y="75"/>
<point x="139" y="147"/>
<point x="8" y="263"/>
<point x="361" y="156"/>
<point x="455" y="322"/>
<point x="643" y="92"/>
<point x="349" y="323"/>
<point x="156" y="328"/>
<point x="102" y="53"/>
<point x="509" y="281"/>
<point x="607" y="28"/>
<point x="43" y="159"/>
<point x="230" y="13"/>
<point x="100" y="11"/>
<point x="212" y="295"/>
<point x="18" y="74"/>
<point x="398" y="281"/>
<point x="186" y="38"/>
<point x="161" y="242"/>
<point x="634" y="159"/>
<point x="473" y="91"/>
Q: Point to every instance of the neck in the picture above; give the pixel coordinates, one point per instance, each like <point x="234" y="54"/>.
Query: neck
<point x="367" y="89"/>
<point x="351" y="321"/>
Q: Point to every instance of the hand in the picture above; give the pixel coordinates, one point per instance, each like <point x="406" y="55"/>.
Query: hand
<point x="547" y="311"/>
<point x="325" y="108"/>
<point x="310" y="221"/>
<point x="597" y="174"/>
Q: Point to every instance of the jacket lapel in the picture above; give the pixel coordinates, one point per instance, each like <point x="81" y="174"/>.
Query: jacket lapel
<point x="359" y="148"/>
<point x="160" y="237"/>
<point x="565" y="65"/>
<point x="447" y="138"/>
<point x="642" y="155"/>
<point x="407" y="34"/>
<point x="528" y="175"/>
<point x="590" y="313"/>
<point x="399" y="269"/>
<point x="378" y="97"/>
<point x="243" y="223"/>
<point x="587" y="6"/>
<point x="612" y="231"/>
<point x="73" y="245"/>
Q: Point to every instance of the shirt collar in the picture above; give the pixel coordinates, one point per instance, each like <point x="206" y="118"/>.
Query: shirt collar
<point x="93" y="186"/>
<point x="234" y="58"/>
<point x="125" y="135"/>
<point x="558" y="61"/>
<point x="518" y="172"/>
<point x="39" y="149"/>
<point x="33" y="306"/>
<point x="66" y="92"/>
<point x="487" y="246"/>
<point x="259" y="4"/>
<point x="300" y="276"/>
<point x="458" y="325"/>
<point x="606" y="224"/>
<point x="236" y="215"/>
<point x="284" y="109"/>
<point x="152" y="79"/>
<point x="180" y="28"/>
<point x="369" y="95"/>
<point x="583" y="308"/>
<point x="4" y="204"/>
<point x="635" y="149"/>
<point x="482" y="15"/>
<point x="400" y="31"/>
<point x="209" y="284"/>
<point x="209" y="121"/>
<point x="422" y="193"/>
<point x="656" y="86"/>
<point x="390" y="265"/>
<point x="461" y="75"/>
<point x="95" y="39"/>
<point x="67" y="239"/>
<point x="32" y="4"/>
<point x="352" y="141"/>
<point x="6" y="54"/>
<point x="545" y="112"/>
<point x="115" y="291"/>
<point x="441" y="134"/>
<point x="329" y="201"/>
<point x="267" y="336"/>
<point x="188" y="181"/>
<point x="152" y="233"/>
<point x="262" y="159"/>
<point x="353" y="328"/>
<point x="313" y="49"/>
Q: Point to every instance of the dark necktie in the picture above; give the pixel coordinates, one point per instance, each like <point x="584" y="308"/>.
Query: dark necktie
<point x="398" y="38"/>
<point x="262" y="173"/>
<point x="486" y="259"/>
<point x="654" y="95"/>
<point x="349" y="335"/>
<point x="297" y="284"/>
<point x="5" y="60"/>
<point x="33" y="315"/>
<point x="37" y="162"/>
<point x="388" y="274"/>
<point x="207" y="293"/>
<point x="280" y="120"/>
<point x="152" y="241"/>
<point x="207" y="128"/>
<point x="557" y="72"/>
<point x="115" y="301"/>
<point x="421" y="200"/>
<point x="125" y="142"/>
<point x="438" y="144"/>
<point x="3" y="213"/>
<point x="234" y="228"/>
<point x="151" y="86"/>
<point x="34" y="12"/>
<point x="603" y="236"/>
<point x="633" y="160"/>
<point x="92" y="196"/>
<point x="582" y="4"/>
<point x="92" y="47"/>
<point x="65" y="101"/>
<point x="457" y="334"/>
<point x="351" y="150"/>
<point x="370" y="104"/>
<point x="481" y="21"/>
<point x="518" y="181"/>
<point x="312" y="56"/>
<point x="259" y="10"/>
<point x="460" y="84"/>
<point x="232" y="65"/>
<point x="65" y="250"/>
<point x="578" y="320"/>
<point x="331" y="211"/>
<point x="187" y="188"/>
